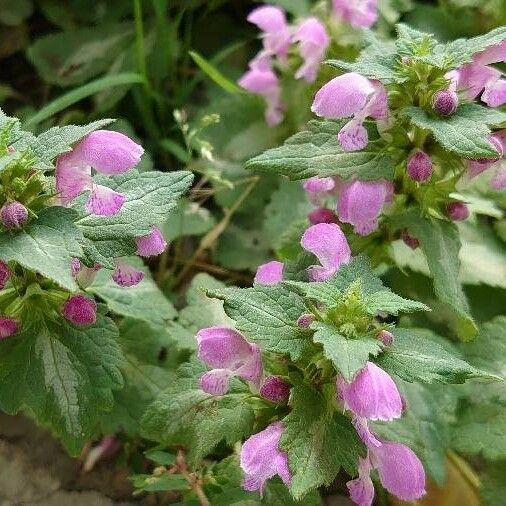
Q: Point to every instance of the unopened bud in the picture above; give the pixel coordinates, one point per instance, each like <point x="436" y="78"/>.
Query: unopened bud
<point x="445" y="102"/>
<point x="5" y="274"/>
<point x="80" y="310"/>
<point x="275" y="389"/>
<point x="8" y="327"/>
<point x="419" y="166"/>
<point x="458" y="211"/>
<point x="305" y="320"/>
<point x="322" y="215"/>
<point x="13" y="215"/>
<point x="386" y="337"/>
<point x="409" y="240"/>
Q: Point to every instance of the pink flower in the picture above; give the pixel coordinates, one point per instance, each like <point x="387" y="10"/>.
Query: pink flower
<point x="264" y="82"/>
<point x="13" y="215"/>
<point x="362" y="488"/>
<point x="8" y="327"/>
<point x="275" y="389"/>
<point x="361" y="202"/>
<point x="351" y="95"/>
<point x="359" y="13"/>
<point x="276" y="33"/>
<point x="108" y="153"/>
<point x="125" y="275"/>
<point x="313" y="42"/>
<point x="328" y="243"/>
<point x="151" y="244"/>
<point x="445" y="102"/>
<point x="82" y="274"/>
<point x="80" y="310"/>
<point x="322" y="215"/>
<point x="372" y="394"/>
<point x="318" y="188"/>
<point x="419" y="166"/>
<point x="458" y="211"/>
<point x="229" y="354"/>
<point x="261" y="459"/>
<point x="477" y="77"/>
<point x="270" y="273"/>
<point x="5" y="274"/>
<point x="475" y="167"/>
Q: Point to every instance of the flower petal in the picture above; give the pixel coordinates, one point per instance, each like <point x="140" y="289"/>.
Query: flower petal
<point x="125" y="275"/>
<point x="151" y="244"/>
<point x="353" y="136"/>
<point x="270" y="273"/>
<point x="104" y="202"/>
<point x="216" y="382"/>
<point x="72" y="177"/>
<point x="494" y="94"/>
<point x="362" y="489"/>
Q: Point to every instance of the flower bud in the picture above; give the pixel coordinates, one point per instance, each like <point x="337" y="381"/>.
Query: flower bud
<point x="13" y="215"/>
<point x="322" y="215"/>
<point x="458" y="211"/>
<point x="8" y="327"/>
<point x="125" y="275"/>
<point x="419" y="166"/>
<point x="80" y="310"/>
<point x="387" y="338"/>
<point x="5" y="274"/>
<point x="275" y="389"/>
<point x="445" y="102"/>
<point x="305" y="320"/>
<point x="409" y="240"/>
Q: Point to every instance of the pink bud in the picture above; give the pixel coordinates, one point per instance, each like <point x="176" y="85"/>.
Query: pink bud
<point x="275" y="389"/>
<point x="13" y="215"/>
<point x="419" y="166"/>
<point x="458" y="211"/>
<point x="305" y="320"/>
<point x="5" y="274"/>
<point x="409" y="240"/>
<point x="445" y="102"/>
<point x="151" y="244"/>
<point x="8" y="327"/>
<point x="80" y="310"/>
<point x="387" y="338"/>
<point x="322" y="215"/>
<point x="126" y="275"/>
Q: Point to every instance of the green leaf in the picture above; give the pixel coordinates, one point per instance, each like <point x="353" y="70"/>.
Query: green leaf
<point x="46" y="246"/>
<point x="268" y="316"/>
<point x="318" y="440"/>
<point x="415" y="357"/>
<point x="215" y="74"/>
<point x="84" y="91"/>
<point x="316" y="152"/>
<point x="185" y="415"/>
<point x="493" y="485"/>
<point x="63" y="375"/>
<point x="149" y="483"/>
<point x="390" y="302"/>
<point x="188" y="219"/>
<point x="144" y="301"/>
<point x="464" y="133"/>
<point x="440" y="242"/>
<point x="348" y="355"/>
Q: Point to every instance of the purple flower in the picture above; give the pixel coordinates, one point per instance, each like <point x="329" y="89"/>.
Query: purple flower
<point x="362" y="489"/>
<point x="270" y="273"/>
<point x="80" y="310"/>
<point x="82" y="274"/>
<point x="264" y="82"/>
<point x="5" y="274"/>
<point x="261" y="459"/>
<point x="8" y="327"/>
<point x="475" y="167"/>
<point x="318" y="188"/>
<point x="477" y="77"/>
<point x="108" y="153"/>
<point x="13" y="215"/>
<point x="351" y="95"/>
<point x="151" y="244"/>
<point x="361" y="202"/>
<point x="305" y="320"/>
<point x="457" y="211"/>
<point x="275" y="389"/>
<point x="372" y="394"/>
<point x="328" y="243"/>
<point x="125" y="275"/>
<point x="322" y="215"/>
<point x="358" y="13"/>
<point x="313" y="42"/>
<point x="229" y="354"/>
<point x="419" y="166"/>
<point x="276" y="33"/>
<point x="445" y="102"/>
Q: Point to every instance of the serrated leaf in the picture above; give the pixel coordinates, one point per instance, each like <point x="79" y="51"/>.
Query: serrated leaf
<point x="464" y="133"/>
<point x="318" y="441"/>
<point x="144" y="301"/>
<point x="390" y="302"/>
<point x="348" y="355"/>
<point x="316" y="152"/>
<point x="415" y="357"/>
<point x="268" y="316"/>
<point x="65" y="376"/>
<point x="186" y="415"/>
<point x="440" y="242"/>
<point x="46" y="245"/>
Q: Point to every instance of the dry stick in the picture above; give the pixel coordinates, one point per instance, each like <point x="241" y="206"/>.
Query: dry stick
<point x="208" y="240"/>
<point x="194" y="482"/>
